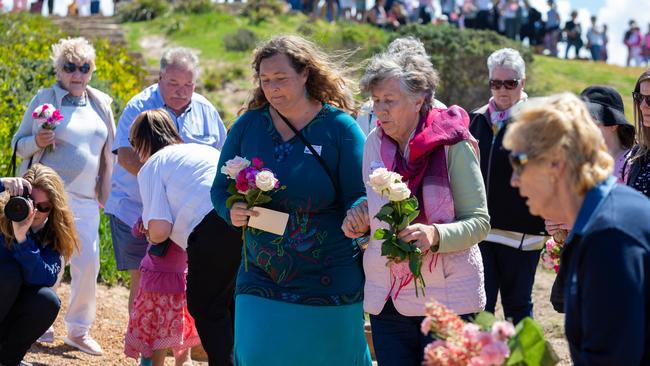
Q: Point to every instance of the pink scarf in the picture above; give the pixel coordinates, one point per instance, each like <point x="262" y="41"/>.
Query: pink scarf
<point x="435" y="130"/>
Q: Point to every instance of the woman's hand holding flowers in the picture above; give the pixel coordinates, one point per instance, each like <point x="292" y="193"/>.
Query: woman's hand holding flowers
<point x="423" y="236"/>
<point x="45" y="138"/>
<point x="239" y="214"/>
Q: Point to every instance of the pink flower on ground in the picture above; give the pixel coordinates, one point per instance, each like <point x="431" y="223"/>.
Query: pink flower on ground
<point x="502" y="330"/>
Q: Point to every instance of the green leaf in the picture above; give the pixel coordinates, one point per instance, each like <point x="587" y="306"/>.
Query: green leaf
<point x="485" y="319"/>
<point x="385" y="213"/>
<point x="234" y="199"/>
<point x="232" y="188"/>
<point x="409" y="205"/>
<point x="528" y="346"/>
<point x="262" y="199"/>
<point x="381" y="234"/>
<point x="415" y="264"/>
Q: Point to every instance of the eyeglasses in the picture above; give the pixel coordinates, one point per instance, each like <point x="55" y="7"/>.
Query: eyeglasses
<point x="71" y="67"/>
<point x="43" y="207"/>
<point x="518" y="161"/>
<point x="508" y="84"/>
<point x="638" y="97"/>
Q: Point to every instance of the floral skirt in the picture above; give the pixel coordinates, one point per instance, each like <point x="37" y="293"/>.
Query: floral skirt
<point x="159" y="321"/>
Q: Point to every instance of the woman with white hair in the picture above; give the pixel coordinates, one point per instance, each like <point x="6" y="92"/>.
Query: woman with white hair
<point x="512" y="248"/>
<point x="433" y="150"/>
<point x="81" y="154"/>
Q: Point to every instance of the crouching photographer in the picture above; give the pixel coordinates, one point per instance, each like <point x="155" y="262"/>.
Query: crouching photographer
<point x="31" y="252"/>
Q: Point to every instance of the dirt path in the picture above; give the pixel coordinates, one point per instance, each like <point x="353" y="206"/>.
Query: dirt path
<point x="112" y="319"/>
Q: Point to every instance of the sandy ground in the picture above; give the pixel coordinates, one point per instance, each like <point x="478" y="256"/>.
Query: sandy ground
<point x="112" y="320"/>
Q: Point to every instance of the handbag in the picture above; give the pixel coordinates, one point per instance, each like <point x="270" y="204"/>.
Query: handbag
<point x="314" y="153"/>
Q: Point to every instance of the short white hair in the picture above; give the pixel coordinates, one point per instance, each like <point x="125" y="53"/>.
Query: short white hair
<point x="77" y="50"/>
<point x="507" y="58"/>
<point x="180" y="57"/>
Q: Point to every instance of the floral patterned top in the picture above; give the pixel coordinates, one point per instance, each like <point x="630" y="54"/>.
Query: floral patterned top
<point x="313" y="263"/>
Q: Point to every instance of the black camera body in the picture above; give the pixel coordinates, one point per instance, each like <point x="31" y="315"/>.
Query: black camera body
<point x="18" y="207"/>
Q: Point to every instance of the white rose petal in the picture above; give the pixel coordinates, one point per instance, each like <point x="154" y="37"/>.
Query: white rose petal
<point x="398" y="192"/>
<point x="234" y="166"/>
<point x="381" y="178"/>
<point x="265" y="180"/>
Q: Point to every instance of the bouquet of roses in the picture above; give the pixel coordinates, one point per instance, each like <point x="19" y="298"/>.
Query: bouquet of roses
<point x="252" y="183"/>
<point x="552" y="251"/>
<point x="484" y="342"/>
<point x="404" y="259"/>
<point x="48" y="118"/>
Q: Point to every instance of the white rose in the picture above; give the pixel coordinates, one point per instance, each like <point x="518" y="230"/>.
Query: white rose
<point x="265" y="180"/>
<point x="398" y="192"/>
<point x="381" y="178"/>
<point x="234" y="166"/>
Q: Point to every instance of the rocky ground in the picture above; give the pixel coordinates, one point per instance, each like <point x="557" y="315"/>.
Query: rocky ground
<point x="112" y="319"/>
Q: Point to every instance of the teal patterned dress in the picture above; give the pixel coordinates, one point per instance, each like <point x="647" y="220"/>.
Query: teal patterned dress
<point x="312" y="274"/>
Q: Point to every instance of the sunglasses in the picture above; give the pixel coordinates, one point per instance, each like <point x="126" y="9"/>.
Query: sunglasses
<point x="518" y="161"/>
<point x="508" y="84"/>
<point x="70" y="67"/>
<point x="43" y="207"/>
<point x="638" y="97"/>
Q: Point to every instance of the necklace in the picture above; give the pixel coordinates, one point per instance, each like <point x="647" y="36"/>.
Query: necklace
<point x="72" y="100"/>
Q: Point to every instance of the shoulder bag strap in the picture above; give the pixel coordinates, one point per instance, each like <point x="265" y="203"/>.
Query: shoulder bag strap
<point x="12" y="163"/>
<point x="313" y="152"/>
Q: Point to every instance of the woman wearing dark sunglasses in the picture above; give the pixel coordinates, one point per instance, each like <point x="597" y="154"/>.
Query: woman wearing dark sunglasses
<point x="512" y="248"/>
<point x="566" y="176"/>
<point x="83" y="158"/>
<point x="31" y="253"/>
<point x="639" y="161"/>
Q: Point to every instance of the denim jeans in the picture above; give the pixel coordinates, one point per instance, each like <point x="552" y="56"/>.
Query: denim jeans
<point x="511" y="271"/>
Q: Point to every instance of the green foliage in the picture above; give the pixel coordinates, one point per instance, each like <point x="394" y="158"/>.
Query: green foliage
<point x="25" y="67"/>
<point x="528" y="346"/>
<point x="460" y="56"/>
<point x="142" y="10"/>
<point x="484" y="319"/>
<point x="258" y="11"/>
<point x="241" y="40"/>
<point x="194" y="6"/>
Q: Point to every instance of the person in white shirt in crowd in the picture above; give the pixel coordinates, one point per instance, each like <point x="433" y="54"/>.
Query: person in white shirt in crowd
<point x="595" y="39"/>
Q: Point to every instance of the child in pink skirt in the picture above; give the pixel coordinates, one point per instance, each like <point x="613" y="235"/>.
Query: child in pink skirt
<point x="160" y="319"/>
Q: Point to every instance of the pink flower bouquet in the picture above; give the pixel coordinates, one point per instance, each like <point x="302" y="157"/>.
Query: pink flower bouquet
<point x="48" y="118"/>
<point x="252" y="183"/>
<point x="485" y="342"/>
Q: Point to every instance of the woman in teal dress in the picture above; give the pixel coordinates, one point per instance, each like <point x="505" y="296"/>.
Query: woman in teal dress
<point x="299" y="302"/>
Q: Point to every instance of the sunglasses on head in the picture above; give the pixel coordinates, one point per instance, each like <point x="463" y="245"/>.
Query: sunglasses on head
<point x="518" y="161"/>
<point x="71" y="67"/>
<point x="43" y="207"/>
<point x="508" y="84"/>
<point x="638" y="97"/>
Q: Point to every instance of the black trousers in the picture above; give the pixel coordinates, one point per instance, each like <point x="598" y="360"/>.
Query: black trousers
<point x="25" y="313"/>
<point x="213" y="258"/>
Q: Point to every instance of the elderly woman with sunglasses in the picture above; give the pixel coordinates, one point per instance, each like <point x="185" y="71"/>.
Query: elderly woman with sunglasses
<point x="512" y="248"/>
<point x="81" y="155"/>
<point x="638" y="176"/>
<point x="563" y="170"/>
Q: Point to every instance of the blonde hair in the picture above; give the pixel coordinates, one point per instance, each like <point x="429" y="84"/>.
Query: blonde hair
<point x="60" y="229"/>
<point x="562" y="123"/>
<point x="77" y="50"/>
<point x="642" y="132"/>
<point x="326" y="80"/>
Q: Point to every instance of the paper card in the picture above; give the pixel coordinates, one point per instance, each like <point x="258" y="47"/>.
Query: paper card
<point x="269" y="220"/>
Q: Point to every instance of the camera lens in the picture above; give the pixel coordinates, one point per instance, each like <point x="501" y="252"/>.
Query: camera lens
<point x="17" y="208"/>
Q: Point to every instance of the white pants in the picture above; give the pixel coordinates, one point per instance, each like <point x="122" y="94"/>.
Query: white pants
<point x="84" y="267"/>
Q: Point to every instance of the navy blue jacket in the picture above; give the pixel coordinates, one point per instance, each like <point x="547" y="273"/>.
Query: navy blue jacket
<point x="607" y="288"/>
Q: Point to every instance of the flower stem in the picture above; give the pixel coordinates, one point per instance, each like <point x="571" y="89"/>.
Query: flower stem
<point x="243" y="238"/>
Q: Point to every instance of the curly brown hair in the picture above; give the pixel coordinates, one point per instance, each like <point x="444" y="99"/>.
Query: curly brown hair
<point x="326" y="79"/>
<point x="61" y="231"/>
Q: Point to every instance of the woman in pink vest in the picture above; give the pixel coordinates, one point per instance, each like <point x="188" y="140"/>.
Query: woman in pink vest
<point x="438" y="158"/>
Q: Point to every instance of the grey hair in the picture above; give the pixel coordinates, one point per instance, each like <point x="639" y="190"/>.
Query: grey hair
<point x="417" y="76"/>
<point x="181" y="57"/>
<point x="507" y="58"/>
<point x="403" y="45"/>
<point x="76" y="50"/>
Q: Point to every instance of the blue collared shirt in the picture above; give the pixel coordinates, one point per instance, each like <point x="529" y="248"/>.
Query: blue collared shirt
<point x="200" y="123"/>
<point x="593" y="198"/>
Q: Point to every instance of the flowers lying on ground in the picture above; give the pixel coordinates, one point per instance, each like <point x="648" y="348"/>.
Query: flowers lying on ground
<point x="48" y="118"/>
<point x="252" y="183"/>
<point x="484" y="342"/>
<point x="404" y="259"/>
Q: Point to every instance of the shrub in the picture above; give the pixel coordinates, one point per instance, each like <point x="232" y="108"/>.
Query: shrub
<point x="194" y="6"/>
<point x="141" y="10"/>
<point x="461" y="59"/>
<point x="242" y="40"/>
<point x="25" y="67"/>
<point x="258" y="11"/>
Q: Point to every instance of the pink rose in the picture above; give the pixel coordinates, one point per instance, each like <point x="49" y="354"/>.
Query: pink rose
<point x="257" y="162"/>
<point x="502" y="330"/>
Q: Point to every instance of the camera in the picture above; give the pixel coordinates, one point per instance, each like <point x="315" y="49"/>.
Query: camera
<point x="18" y="207"/>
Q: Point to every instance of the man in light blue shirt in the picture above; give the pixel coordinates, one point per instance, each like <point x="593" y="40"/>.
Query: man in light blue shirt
<point x="197" y="121"/>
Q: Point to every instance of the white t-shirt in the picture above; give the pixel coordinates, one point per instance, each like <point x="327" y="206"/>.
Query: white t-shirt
<point x="175" y="186"/>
